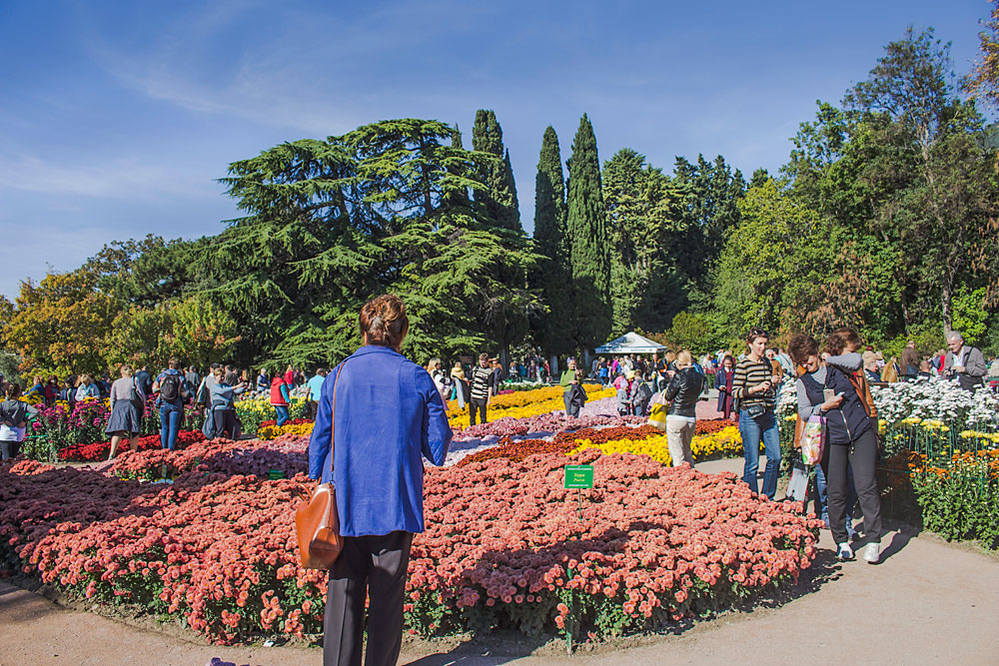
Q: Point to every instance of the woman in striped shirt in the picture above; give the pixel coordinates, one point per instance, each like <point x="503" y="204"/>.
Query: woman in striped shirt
<point x="754" y="387"/>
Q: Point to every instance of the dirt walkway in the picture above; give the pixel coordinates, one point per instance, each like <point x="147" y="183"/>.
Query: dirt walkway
<point x="929" y="602"/>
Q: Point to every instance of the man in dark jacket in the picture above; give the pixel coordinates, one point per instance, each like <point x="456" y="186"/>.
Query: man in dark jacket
<point x="682" y="392"/>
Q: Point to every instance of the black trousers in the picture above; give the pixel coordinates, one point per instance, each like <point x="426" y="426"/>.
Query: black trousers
<point x="862" y="455"/>
<point x="9" y="450"/>
<point x="477" y="404"/>
<point x="372" y="566"/>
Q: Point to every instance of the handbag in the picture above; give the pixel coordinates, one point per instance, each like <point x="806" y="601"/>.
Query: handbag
<point x="797" y="487"/>
<point x="317" y="522"/>
<point x="813" y="440"/>
<point x="657" y="416"/>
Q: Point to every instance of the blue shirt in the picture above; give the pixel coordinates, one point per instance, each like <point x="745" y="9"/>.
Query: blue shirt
<point x="389" y="415"/>
<point x="316" y="387"/>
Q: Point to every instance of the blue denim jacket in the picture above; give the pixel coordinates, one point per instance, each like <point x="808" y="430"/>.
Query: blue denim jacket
<point x="389" y="415"/>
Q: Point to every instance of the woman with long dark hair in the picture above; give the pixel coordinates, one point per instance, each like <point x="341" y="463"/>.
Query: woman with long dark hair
<point x="379" y="414"/>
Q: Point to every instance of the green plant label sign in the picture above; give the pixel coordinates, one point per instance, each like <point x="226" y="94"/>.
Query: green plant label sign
<point x="275" y="474"/>
<point x="579" y="476"/>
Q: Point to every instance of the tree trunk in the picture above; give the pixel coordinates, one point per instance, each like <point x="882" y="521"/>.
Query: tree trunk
<point x="946" y="291"/>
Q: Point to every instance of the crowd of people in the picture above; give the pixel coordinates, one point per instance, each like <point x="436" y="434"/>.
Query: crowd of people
<point x="356" y="440"/>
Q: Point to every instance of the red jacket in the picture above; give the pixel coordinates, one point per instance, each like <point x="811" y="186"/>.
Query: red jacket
<point x="277" y="398"/>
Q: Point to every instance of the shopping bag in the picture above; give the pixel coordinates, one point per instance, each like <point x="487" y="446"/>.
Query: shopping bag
<point x="657" y="416"/>
<point x="797" y="487"/>
<point x="813" y="439"/>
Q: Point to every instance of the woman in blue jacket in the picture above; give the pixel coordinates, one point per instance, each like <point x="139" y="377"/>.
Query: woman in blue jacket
<point x="388" y="416"/>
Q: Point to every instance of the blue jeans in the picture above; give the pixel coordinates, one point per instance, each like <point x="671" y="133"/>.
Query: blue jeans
<point x="753" y="431"/>
<point x="282" y="414"/>
<point x="169" y="424"/>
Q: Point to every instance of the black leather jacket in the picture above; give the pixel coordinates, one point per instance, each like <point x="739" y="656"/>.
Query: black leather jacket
<point x="683" y="390"/>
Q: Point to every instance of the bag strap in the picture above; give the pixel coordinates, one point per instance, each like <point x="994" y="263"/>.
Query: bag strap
<point x="333" y="416"/>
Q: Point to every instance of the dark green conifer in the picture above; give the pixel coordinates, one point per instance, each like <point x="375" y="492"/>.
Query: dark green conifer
<point x="552" y="276"/>
<point x="499" y="200"/>
<point x="587" y="234"/>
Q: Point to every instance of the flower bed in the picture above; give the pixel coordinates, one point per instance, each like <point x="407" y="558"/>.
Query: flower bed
<point x="255" y="413"/>
<point x="286" y="454"/>
<point x="523" y="404"/>
<point x="726" y="442"/>
<point x="937" y="399"/>
<point x="100" y="450"/>
<point x="959" y="496"/>
<point x="58" y="427"/>
<point x="298" y="427"/>
<point x="551" y="423"/>
<point x="654" y="545"/>
<point x="217" y="548"/>
<point x="642" y="439"/>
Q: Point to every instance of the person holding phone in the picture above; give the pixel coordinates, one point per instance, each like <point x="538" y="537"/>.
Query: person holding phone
<point x="754" y="388"/>
<point x="851" y="440"/>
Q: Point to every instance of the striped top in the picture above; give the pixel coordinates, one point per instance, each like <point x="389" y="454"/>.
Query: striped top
<point x="483" y="380"/>
<point x="747" y="375"/>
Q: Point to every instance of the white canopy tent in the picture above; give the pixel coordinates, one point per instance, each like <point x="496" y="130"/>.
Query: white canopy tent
<point x="631" y="343"/>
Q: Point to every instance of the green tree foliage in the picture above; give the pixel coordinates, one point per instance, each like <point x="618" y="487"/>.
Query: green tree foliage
<point x="940" y="217"/>
<point x="499" y="198"/>
<point x="145" y="272"/>
<point x="644" y="227"/>
<point x="587" y="233"/>
<point x="693" y="331"/>
<point x="551" y="278"/>
<point x="380" y="209"/>
<point x="773" y="266"/>
<point x="984" y="79"/>
<point x="709" y="211"/>
<point x="58" y="324"/>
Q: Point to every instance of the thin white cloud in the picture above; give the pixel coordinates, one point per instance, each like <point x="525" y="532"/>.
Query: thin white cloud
<point x="117" y="179"/>
<point x="304" y="75"/>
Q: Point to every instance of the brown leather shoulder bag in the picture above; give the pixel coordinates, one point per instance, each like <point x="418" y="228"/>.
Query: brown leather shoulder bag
<point x="317" y="522"/>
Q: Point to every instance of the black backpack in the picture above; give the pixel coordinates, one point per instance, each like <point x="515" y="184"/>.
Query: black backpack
<point x="170" y="388"/>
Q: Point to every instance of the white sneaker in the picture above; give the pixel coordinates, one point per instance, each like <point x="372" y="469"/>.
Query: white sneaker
<point x="845" y="552"/>
<point x="872" y="554"/>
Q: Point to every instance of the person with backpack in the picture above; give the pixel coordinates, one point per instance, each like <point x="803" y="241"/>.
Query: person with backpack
<point x="13" y="421"/>
<point x="170" y="386"/>
<point x="127" y="407"/>
<point x="280" y="399"/>
<point x="641" y="394"/>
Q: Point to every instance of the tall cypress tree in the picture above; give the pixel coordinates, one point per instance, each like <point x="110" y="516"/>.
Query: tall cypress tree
<point x="587" y="233"/>
<point x="552" y="276"/>
<point x="511" y="212"/>
<point x="499" y="200"/>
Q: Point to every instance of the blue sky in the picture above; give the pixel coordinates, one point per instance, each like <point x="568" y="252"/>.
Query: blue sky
<point x="117" y="117"/>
